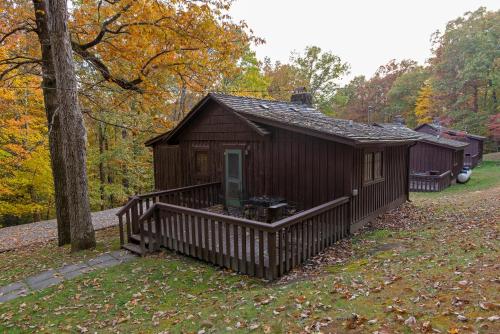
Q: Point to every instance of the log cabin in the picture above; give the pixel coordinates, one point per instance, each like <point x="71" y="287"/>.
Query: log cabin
<point x="435" y="161"/>
<point x="318" y="178"/>
<point x="473" y="153"/>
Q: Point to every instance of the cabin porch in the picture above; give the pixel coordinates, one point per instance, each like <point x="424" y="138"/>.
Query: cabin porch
<point x="181" y="220"/>
<point x="430" y="182"/>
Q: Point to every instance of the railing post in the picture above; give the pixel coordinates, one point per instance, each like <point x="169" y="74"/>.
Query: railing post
<point x="271" y="249"/>
<point x="142" y="242"/>
<point x="135" y="216"/>
<point x="157" y="218"/>
<point x="120" y="225"/>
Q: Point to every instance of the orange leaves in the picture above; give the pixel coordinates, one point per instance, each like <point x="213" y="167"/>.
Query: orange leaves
<point x="155" y="41"/>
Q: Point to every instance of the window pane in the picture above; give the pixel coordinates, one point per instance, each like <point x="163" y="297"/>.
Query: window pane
<point x="377" y="168"/>
<point x="368" y="167"/>
<point x="201" y="163"/>
<point x="233" y="165"/>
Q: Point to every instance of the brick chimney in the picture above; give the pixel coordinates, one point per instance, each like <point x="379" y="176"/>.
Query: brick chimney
<point x="398" y="119"/>
<point x="301" y="96"/>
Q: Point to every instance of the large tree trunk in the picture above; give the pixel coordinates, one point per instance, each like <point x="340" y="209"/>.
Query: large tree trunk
<point x="72" y="128"/>
<point x="55" y="137"/>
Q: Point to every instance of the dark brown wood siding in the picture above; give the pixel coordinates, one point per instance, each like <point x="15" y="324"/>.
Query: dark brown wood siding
<point x="168" y="169"/>
<point x="374" y="197"/>
<point x="458" y="163"/>
<point x="301" y="169"/>
<point x="425" y="157"/>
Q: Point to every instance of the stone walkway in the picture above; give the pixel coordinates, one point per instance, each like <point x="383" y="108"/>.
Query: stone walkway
<point x="13" y="237"/>
<point x="55" y="276"/>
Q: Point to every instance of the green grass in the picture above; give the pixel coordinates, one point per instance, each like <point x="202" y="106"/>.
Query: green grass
<point x="391" y="275"/>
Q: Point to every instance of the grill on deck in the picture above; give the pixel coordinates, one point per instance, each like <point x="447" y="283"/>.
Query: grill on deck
<point x="266" y="208"/>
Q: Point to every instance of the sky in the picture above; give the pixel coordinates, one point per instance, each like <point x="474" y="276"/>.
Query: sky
<point x="366" y="34"/>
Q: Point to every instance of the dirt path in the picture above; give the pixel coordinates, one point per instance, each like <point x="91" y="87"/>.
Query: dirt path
<point x="14" y="237"/>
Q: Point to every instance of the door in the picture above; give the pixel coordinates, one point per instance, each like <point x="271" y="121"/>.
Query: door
<point x="233" y="177"/>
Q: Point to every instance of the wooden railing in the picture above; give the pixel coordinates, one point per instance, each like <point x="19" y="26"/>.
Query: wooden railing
<point x="429" y="183"/>
<point x="197" y="196"/>
<point x="246" y="246"/>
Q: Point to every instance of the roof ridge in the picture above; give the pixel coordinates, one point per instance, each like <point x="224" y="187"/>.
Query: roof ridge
<point x="256" y="98"/>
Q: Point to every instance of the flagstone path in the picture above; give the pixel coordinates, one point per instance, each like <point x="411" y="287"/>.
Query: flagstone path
<point x="52" y="277"/>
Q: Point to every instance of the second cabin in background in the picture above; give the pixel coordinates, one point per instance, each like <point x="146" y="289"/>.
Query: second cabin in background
<point x="435" y="161"/>
<point x="473" y="152"/>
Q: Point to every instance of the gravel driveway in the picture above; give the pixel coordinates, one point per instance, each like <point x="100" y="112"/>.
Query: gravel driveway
<point x="13" y="237"/>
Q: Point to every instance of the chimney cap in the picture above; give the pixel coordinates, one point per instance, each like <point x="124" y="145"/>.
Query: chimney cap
<point x="398" y="119"/>
<point x="302" y="96"/>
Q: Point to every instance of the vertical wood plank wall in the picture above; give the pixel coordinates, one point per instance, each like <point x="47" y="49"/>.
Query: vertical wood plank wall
<point x="375" y="196"/>
<point x="426" y="157"/>
<point x="167" y="168"/>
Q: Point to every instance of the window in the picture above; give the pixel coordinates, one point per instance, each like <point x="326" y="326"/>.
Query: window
<point x="374" y="166"/>
<point x="201" y="163"/>
<point x="377" y="165"/>
<point x="368" y="167"/>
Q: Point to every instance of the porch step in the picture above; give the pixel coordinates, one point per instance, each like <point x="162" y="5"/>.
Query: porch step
<point x="134" y="248"/>
<point x="136" y="239"/>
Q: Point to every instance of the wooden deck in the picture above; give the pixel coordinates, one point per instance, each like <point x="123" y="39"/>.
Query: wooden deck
<point x="430" y="183"/>
<point x="246" y="246"/>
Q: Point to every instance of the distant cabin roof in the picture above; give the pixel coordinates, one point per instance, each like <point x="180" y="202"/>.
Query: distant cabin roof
<point x="451" y="131"/>
<point x="425" y="137"/>
<point x="296" y="117"/>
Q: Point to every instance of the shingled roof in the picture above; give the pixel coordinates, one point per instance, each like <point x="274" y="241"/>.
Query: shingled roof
<point x="425" y="137"/>
<point x="303" y="117"/>
<point x="451" y="131"/>
<point x="260" y="113"/>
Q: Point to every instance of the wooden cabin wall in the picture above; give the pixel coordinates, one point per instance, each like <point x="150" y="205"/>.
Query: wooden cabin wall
<point x="474" y="147"/>
<point x="168" y="171"/>
<point x="480" y="148"/>
<point x="302" y="169"/>
<point x="458" y="162"/>
<point x="299" y="168"/>
<point x="374" y="198"/>
<point x="307" y="170"/>
<point x="426" y="157"/>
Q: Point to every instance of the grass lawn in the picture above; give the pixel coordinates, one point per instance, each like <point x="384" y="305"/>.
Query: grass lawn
<point x="439" y="271"/>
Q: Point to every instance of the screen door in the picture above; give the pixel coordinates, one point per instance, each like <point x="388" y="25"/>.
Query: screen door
<point x="233" y="177"/>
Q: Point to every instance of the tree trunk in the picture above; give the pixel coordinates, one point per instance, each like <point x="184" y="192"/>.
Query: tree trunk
<point x="125" y="181"/>
<point x="53" y="121"/>
<point x="102" y="175"/>
<point x="475" y="104"/>
<point x="72" y="128"/>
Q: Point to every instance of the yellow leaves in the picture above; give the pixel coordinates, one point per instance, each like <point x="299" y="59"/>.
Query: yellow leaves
<point x="25" y="175"/>
<point x="423" y="106"/>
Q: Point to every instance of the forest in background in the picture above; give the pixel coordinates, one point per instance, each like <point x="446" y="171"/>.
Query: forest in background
<point x="142" y="66"/>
